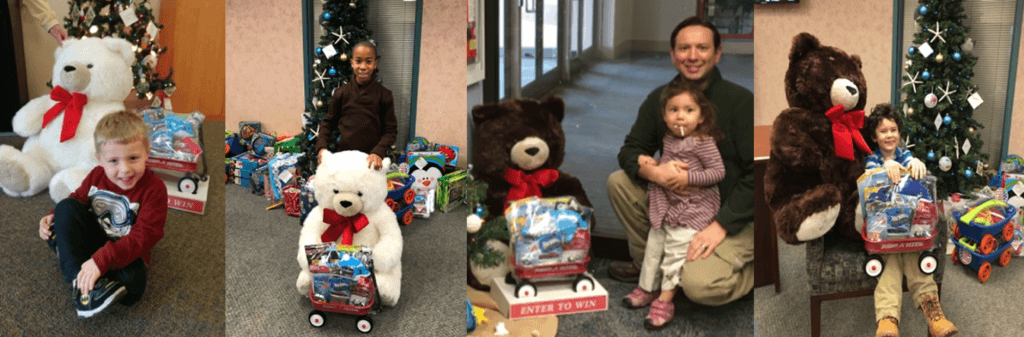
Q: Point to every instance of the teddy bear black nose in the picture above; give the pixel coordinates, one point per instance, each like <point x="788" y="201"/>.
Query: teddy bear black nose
<point x="346" y="204"/>
<point x="69" y="68"/>
<point x="532" y="151"/>
<point x="852" y="90"/>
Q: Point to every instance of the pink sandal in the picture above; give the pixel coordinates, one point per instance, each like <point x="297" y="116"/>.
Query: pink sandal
<point x="661" y="313"/>
<point x="639" y="298"/>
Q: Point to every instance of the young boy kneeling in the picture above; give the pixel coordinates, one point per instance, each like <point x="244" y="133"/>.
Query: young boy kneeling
<point x="104" y="231"/>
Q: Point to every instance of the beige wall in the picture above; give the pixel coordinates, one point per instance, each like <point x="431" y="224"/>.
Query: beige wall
<point x="653" y="21"/>
<point x="441" y="99"/>
<point x="858" y="27"/>
<point x="263" y="65"/>
<point x="616" y="17"/>
<point x="1017" y="121"/>
<point x="39" y="47"/>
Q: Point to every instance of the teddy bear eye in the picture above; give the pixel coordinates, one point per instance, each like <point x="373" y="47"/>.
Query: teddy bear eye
<point x="359" y="193"/>
<point x="335" y="191"/>
<point x="89" y="66"/>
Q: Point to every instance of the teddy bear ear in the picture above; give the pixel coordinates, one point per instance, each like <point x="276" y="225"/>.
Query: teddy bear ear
<point x="485" y="112"/>
<point x="121" y="48"/>
<point x="856" y="60"/>
<point x="556" y="105"/>
<point x="803" y="43"/>
<point x="64" y="46"/>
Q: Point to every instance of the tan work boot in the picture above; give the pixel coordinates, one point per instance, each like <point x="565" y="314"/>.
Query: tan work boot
<point x="938" y="325"/>
<point x="887" y="327"/>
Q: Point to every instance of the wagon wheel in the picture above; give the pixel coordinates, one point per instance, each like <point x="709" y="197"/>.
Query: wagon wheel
<point x="1004" y="259"/>
<point x="927" y="262"/>
<point x="956" y="232"/>
<point x="526" y="289"/>
<point x="988" y="244"/>
<point x="956" y="252"/>
<point x="582" y="283"/>
<point x="316" y="318"/>
<point x="1008" y="232"/>
<point x="364" y="324"/>
<point x="874" y="265"/>
<point x="409" y="196"/>
<point x="391" y="203"/>
<point x="984" y="271"/>
<point x="407" y="217"/>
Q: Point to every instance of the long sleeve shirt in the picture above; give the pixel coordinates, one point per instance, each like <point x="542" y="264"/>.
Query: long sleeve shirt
<point x="696" y="209"/>
<point x="364" y="116"/>
<point x="41" y="11"/>
<point x="735" y="108"/>
<point x="875" y="160"/>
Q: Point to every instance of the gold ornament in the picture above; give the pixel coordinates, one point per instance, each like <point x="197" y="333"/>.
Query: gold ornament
<point x="319" y="103"/>
<point x="971" y="129"/>
<point x="352" y="4"/>
<point x="343" y="57"/>
<point x="910" y="111"/>
<point x="939" y="58"/>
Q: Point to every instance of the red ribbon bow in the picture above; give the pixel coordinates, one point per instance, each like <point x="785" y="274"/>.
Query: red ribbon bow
<point x="342" y="226"/>
<point x="846" y="131"/>
<point x="528" y="185"/>
<point x="71" y="104"/>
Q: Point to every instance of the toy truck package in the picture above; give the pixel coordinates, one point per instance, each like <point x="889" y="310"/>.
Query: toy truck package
<point x="341" y="273"/>
<point x="899" y="217"/>
<point x="548" y="231"/>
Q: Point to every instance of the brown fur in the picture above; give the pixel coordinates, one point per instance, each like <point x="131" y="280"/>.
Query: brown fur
<point x="803" y="175"/>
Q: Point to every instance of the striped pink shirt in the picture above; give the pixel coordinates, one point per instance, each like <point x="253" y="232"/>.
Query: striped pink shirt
<point x="697" y="209"/>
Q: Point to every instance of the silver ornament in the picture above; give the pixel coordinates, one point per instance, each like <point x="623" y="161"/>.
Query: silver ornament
<point x="930" y="100"/>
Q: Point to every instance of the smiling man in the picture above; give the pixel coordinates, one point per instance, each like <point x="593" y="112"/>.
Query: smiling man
<point x="718" y="267"/>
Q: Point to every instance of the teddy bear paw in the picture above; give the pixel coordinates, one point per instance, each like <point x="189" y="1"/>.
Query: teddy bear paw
<point x="13" y="176"/>
<point x="817" y="224"/>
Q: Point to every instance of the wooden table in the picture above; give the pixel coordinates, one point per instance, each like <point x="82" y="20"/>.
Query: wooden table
<point x="766" y="250"/>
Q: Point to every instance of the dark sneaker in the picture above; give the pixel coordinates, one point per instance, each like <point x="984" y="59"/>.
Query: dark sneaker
<point x="104" y="293"/>
<point x="52" y="242"/>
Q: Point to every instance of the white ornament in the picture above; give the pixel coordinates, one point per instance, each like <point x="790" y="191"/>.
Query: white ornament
<point x="946" y="92"/>
<point x="909" y="144"/>
<point x="975" y="100"/>
<point x="926" y="49"/>
<point x="938" y="121"/>
<point x="341" y="35"/>
<point x="967" y="146"/>
<point x="913" y="81"/>
<point x="930" y="100"/>
<point x="967" y="45"/>
<point x="937" y="33"/>
<point x="320" y="77"/>
<point x="945" y="163"/>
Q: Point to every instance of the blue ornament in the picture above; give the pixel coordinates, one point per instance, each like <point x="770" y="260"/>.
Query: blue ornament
<point x="923" y="10"/>
<point x="319" y="50"/>
<point x="946" y="120"/>
<point x="968" y="173"/>
<point x="931" y="155"/>
<point x="968" y="76"/>
<point x="957" y="56"/>
<point x="327" y="15"/>
<point x="479" y="211"/>
<point x="911" y="50"/>
<point x="926" y="75"/>
<point x="332" y="72"/>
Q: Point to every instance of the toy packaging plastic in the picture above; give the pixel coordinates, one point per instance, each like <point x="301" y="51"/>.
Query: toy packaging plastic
<point x="902" y="210"/>
<point x="340" y="273"/>
<point x="450" y="153"/>
<point x="548" y="231"/>
<point x="247" y="130"/>
<point x="174" y="136"/>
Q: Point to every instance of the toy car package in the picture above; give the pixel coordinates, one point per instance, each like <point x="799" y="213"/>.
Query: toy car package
<point x="174" y="136"/>
<point x="900" y="210"/>
<point x="549" y="230"/>
<point x="341" y="273"/>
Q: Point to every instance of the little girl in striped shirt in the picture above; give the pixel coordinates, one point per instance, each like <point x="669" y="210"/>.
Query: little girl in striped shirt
<point x="676" y="217"/>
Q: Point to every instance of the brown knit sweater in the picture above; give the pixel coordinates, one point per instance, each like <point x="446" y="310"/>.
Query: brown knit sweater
<point x="365" y="117"/>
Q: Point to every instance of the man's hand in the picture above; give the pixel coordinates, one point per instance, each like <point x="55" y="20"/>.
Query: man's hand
<point x="87" y="276"/>
<point x="705" y="242"/>
<point x="373" y="161"/>
<point x="44" y="226"/>
<point x="59" y="33"/>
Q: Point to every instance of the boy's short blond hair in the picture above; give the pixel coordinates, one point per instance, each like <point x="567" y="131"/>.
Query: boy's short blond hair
<point x="122" y="127"/>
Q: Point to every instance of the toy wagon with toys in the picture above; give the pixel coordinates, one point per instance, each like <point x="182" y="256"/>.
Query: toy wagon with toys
<point x="400" y="196"/>
<point x="343" y="282"/>
<point x="898" y="217"/>
<point x="550" y="239"/>
<point x="983" y="235"/>
<point x="176" y="145"/>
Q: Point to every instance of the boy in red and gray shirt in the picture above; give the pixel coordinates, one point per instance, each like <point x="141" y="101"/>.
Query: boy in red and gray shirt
<point x="104" y="231"/>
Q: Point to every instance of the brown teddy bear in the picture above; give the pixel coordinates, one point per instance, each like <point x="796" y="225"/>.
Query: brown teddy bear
<point x="518" y="146"/>
<point x="817" y="151"/>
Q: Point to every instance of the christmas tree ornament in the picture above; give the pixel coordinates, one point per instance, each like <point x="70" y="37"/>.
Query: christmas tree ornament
<point x="906" y="65"/>
<point x="946" y="93"/>
<point x="945" y="163"/>
<point x="913" y="81"/>
<point x="968" y="173"/>
<point x="937" y="34"/>
<point x="957" y="56"/>
<point x="911" y="50"/>
<point x="939" y="58"/>
<point x="352" y="4"/>
<point x="930" y="100"/>
<point x="327" y="15"/>
<point x="319" y="103"/>
<point x="910" y="111"/>
<point x="923" y="10"/>
<point x="970" y="129"/>
<point x="946" y="120"/>
<point x="343" y="57"/>
<point x="332" y="72"/>
<point x="968" y="45"/>
<point x="931" y="155"/>
<point x="926" y="75"/>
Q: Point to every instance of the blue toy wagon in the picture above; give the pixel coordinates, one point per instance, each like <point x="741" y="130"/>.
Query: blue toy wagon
<point x="982" y="235"/>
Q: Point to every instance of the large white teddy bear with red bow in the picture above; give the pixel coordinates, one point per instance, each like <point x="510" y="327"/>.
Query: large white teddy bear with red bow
<point x="91" y="78"/>
<point x="351" y="209"/>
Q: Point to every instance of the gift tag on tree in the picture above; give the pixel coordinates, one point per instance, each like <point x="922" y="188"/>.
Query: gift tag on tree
<point x="938" y="121"/>
<point x="975" y="100"/>
<point x="926" y="49"/>
<point x="967" y="146"/>
<point x="89" y="16"/>
<point x="329" y="51"/>
<point x="151" y="30"/>
<point x="128" y="16"/>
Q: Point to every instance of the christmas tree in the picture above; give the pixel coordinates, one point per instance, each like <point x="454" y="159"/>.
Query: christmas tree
<point x="131" y="20"/>
<point x="939" y="98"/>
<point x="496" y="229"/>
<point x="343" y="24"/>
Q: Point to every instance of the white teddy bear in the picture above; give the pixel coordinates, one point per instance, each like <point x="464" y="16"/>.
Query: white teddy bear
<point x="91" y="78"/>
<point x="345" y="185"/>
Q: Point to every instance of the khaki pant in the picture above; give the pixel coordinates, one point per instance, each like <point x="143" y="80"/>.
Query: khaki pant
<point x="723" y="277"/>
<point x="889" y="292"/>
<point x="665" y="257"/>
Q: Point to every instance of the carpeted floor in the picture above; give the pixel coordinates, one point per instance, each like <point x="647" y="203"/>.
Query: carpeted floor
<point x="261" y="273"/>
<point x="992" y="308"/>
<point x="185" y="291"/>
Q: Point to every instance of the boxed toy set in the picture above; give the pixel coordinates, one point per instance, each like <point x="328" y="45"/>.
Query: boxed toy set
<point x="548" y="231"/>
<point x="176" y="156"/>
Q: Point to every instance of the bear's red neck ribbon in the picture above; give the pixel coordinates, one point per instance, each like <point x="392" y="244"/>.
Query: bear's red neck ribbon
<point x="846" y="131"/>
<point x="528" y="185"/>
<point x="71" y="104"/>
<point x="342" y="226"/>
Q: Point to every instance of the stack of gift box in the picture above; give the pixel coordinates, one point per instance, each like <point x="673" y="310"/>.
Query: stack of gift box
<point x="265" y="163"/>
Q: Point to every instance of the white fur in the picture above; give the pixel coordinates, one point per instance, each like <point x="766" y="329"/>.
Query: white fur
<point x="841" y="93"/>
<point x="347" y="172"/>
<point x="818" y="224"/>
<point x="44" y="161"/>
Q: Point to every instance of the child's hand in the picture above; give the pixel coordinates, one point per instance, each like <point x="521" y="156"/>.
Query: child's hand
<point x="917" y="169"/>
<point x="646" y="160"/>
<point x="87" y="276"/>
<point x="44" y="226"/>
<point x="374" y="161"/>
<point x="892" y="169"/>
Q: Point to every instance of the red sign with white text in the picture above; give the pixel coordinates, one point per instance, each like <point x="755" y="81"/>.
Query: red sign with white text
<point x="558" y="307"/>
